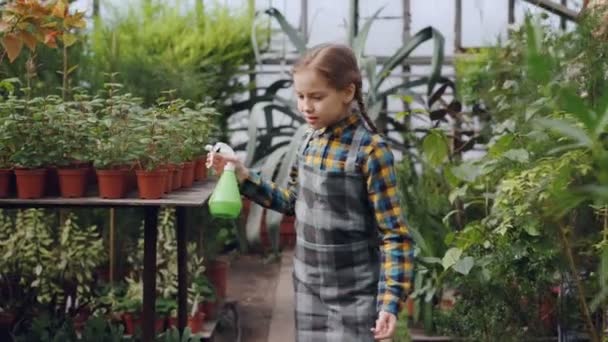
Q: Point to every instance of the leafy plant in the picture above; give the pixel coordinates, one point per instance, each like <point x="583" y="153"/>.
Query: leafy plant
<point x="48" y="328"/>
<point x="110" y="128"/>
<point x="31" y="131"/>
<point x="173" y="335"/>
<point x="27" y="250"/>
<point x="78" y="251"/>
<point x="155" y="46"/>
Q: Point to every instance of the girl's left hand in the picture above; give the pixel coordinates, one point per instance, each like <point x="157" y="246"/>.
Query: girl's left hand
<point x="385" y="326"/>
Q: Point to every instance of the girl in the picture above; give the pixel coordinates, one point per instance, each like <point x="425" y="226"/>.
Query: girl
<point x="353" y="255"/>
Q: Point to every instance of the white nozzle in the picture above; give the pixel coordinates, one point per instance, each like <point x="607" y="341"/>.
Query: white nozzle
<point x="223" y="149"/>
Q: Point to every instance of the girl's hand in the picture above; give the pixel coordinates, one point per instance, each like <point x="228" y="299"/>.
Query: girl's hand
<point x="218" y="161"/>
<point x="385" y="326"/>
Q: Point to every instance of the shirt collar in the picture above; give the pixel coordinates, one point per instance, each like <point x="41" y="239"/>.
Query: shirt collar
<point x="339" y="127"/>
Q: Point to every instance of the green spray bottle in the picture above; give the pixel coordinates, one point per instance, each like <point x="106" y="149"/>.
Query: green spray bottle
<point x="225" y="201"/>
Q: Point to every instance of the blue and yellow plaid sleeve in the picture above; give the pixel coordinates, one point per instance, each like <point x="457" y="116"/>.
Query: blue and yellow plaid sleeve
<point x="396" y="245"/>
<point x="269" y="195"/>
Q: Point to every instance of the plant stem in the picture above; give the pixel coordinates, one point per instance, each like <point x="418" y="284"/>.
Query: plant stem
<point x="567" y="249"/>
<point x="65" y="72"/>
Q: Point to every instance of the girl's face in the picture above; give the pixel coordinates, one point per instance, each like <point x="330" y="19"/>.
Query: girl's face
<point x="321" y="104"/>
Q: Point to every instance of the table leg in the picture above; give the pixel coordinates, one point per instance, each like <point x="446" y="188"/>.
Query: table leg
<point x="150" y="237"/>
<point x="182" y="269"/>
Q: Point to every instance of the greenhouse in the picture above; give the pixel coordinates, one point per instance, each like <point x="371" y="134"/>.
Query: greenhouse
<point x="270" y="171"/>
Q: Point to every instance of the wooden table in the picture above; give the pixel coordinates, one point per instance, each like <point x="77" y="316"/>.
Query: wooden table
<point x="195" y="196"/>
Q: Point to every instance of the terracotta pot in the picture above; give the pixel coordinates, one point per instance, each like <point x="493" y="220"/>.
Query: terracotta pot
<point x="112" y="183"/>
<point x="209" y="308"/>
<point x="132" y="322"/>
<point x="150" y="184"/>
<point x="73" y="182"/>
<point x="195" y="323"/>
<point x="200" y="169"/>
<point x="188" y="175"/>
<point x="81" y="318"/>
<point x="159" y="324"/>
<point x="5" y="182"/>
<point x="217" y="272"/>
<point x="177" y="176"/>
<point x="7" y="319"/>
<point x="171" y="323"/>
<point x="30" y="183"/>
<point x="169" y="184"/>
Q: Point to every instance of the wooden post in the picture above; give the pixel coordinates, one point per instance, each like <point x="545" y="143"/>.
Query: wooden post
<point x="182" y="268"/>
<point x="304" y="18"/>
<point x="96" y="8"/>
<point x="563" y="22"/>
<point x="406" y="34"/>
<point x="458" y="25"/>
<point x="112" y="239"/>
<point x="149" y="276"/>
<point x="511" y="12"/>
<point x="353" y="25"/>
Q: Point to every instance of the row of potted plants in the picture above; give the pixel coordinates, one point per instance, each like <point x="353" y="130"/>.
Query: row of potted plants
<point x="112" y="134"/>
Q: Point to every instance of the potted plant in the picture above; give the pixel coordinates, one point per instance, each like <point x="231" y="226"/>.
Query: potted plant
<point x="32" y="147"/>
<point x="26" y="243"/>
<point x="78" y="252"/>
<point x="112" y="144"/>
<point x="131" y="305"/>
<point x="150" y="130"/>
<point x="6" y="152"/>
<point x="165" y="310"/>
<point x="72" y="141"/>
<point x="202" y="123"/>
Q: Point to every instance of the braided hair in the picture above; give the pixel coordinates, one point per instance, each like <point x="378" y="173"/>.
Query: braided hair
<point x="338" y="64"/>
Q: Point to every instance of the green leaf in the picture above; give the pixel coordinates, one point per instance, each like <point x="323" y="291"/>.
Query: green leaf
<point x="566" y="129"/>
<point x="296" y="38"/>
<point x="69" y="39"/>
<point x="361" y="38"/>
<point x="464" y="265"/>
<point x="369" y="65"/>
<point x="572" y="103"/>
<point x="531" y="228"/>
<point x="501" y="145"/>
<point x="451" y="257"/>
<point x="435" y="147"/>
<point x="467" y="172"/>
<point x="405" y="51"/>
<point x="458" y="193"/>
<point x="519" y="155"/>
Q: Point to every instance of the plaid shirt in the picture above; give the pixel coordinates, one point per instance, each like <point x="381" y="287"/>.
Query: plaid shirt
<point x="375" y="160"/>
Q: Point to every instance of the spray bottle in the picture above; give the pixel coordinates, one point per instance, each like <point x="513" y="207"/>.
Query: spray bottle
<point x="225" y="201"/>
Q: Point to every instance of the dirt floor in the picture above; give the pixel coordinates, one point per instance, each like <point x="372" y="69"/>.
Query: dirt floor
<point x="252" y="282"/>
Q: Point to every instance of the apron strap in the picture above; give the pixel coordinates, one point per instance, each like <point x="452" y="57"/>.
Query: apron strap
<point x="351" y="160"/>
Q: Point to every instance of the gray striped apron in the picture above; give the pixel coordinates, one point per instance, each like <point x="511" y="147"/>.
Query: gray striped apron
<point x="337" y="263"/>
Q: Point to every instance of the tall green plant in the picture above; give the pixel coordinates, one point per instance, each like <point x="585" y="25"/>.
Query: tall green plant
<point x="527" y="200"/>
<point x="155" y="46"/>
